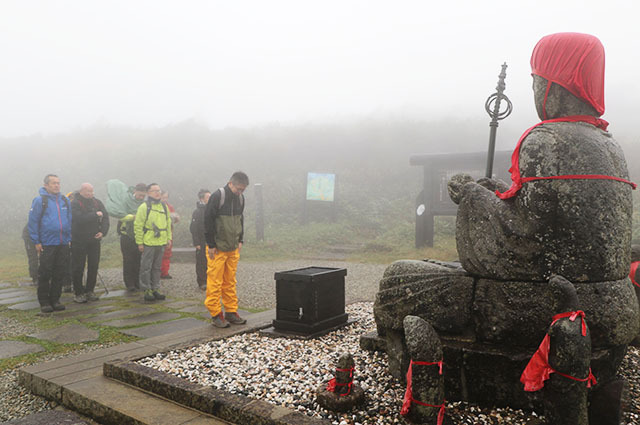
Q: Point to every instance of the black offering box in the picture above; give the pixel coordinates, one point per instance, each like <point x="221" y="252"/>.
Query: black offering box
<point x="310" y="301"/>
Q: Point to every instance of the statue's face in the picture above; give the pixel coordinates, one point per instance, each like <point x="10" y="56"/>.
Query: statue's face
<point x="539" y="88"/>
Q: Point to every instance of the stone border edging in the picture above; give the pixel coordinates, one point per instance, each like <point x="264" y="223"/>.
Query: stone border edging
<point x="221" y="404"/>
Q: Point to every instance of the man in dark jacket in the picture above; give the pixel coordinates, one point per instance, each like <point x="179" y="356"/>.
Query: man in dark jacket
<point x="197" y="233"/>
<point x="224" y="231"/>
<point x="50" y="231"/>
<point x="90" y="225"/>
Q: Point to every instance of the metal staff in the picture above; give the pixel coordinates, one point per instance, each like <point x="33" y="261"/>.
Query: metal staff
<point x="106" y="291"/>
<point x="492" y="106"/>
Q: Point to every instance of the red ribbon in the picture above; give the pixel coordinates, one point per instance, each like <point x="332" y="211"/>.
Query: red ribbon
<point x="408" y="395"/>
<point x="518" y="180"/>
<point x="538" y="369"/>
<point x="333" y="384"/>
<point x="572" y="315"/>
<point x="632" y="273"/>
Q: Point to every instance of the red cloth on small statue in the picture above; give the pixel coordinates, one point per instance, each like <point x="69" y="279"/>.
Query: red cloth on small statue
<point x="539" y="370"/>
<point x="332" y="385"/>
<point x="408" y="394"/>
<point x="632" y="273"/>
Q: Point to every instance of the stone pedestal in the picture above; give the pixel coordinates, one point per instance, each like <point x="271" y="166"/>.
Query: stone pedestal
<point x="490" y="329"/>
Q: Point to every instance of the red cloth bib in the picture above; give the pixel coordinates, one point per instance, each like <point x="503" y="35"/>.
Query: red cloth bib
<point x="538" y="369"/>
<point x="632" y="273"/>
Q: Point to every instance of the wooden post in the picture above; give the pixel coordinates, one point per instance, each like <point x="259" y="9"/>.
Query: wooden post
<point x="259" y="213"/>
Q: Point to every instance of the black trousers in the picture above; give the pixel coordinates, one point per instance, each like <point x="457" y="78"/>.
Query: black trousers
<point x="32" y="257"/>
<point x="130" y="262"/>
<point x="52" y="273"/>
<point x="81" y="253"/>
<point x="201" y="266"/>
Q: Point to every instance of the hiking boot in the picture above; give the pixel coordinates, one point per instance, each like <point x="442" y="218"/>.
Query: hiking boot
<point x="46" y="308"/>
<point x="219" y="322"/>
<point x="234" y="318"/>
<point x="80" y="299"/>
<point x="58" y="307"/>
<point x="148" y="295"/>
<point x="166" y="276"/>
<point x="91" y="296"/>
<point x="158" y="296"/>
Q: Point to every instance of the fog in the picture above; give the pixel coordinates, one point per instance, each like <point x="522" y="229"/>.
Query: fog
<point x="186" y="92"/>
<point x="70" y="64"/>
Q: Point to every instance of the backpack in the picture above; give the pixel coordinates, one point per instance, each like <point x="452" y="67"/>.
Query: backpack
<point x="148" y="202"/>
<point x="222" y="196"/>
<point x="45" y="204"/>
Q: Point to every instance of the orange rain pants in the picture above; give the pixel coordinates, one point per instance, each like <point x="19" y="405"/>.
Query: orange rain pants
<point x="221" y="282"/>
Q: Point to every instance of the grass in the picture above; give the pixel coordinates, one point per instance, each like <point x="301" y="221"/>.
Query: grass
<point x="363" y="241"/>
<point x="367" y="242"/>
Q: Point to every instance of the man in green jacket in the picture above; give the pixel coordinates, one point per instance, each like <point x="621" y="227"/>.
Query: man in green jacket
<point x="152" y="228"/>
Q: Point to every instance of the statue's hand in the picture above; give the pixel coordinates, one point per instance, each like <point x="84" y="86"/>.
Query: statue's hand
<point x="493" y="184"/>
<point x="455" y="186"/>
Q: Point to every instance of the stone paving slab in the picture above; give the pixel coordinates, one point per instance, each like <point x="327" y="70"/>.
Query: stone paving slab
<point x="195" y="309"/>
<point x="180" y="304"/>
<point x="118" y="314"/>
<point x="113" y="294"/>
<point x="68" y="334"/>
<point x="25" y="306"/>
<point x="73" y="306"/>
<point x="17" y="348"/>
<point x="168" y="327"/>
<point x="4" y="284"/>
<point x="29" y="297"/>
<point x="51" y="417"/>
<point x="141" y="320"/>
<point x="91" y="309"/>
<point x="13" y="293"/>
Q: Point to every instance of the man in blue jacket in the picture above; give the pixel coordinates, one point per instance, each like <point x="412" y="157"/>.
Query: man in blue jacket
<point x="50" y="230"/>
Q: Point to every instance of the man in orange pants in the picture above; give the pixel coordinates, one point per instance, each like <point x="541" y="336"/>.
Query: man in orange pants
<point x="224" y="230"/>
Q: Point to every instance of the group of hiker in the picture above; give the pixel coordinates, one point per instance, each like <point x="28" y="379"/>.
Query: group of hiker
<point x="63" y="234"/>
<point x="48" y="237"/>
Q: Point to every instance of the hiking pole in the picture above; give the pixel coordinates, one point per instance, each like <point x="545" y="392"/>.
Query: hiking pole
<point x="106" y="291"/>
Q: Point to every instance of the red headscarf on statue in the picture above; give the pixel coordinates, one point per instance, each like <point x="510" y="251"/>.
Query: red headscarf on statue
<point x="576" y="62"/>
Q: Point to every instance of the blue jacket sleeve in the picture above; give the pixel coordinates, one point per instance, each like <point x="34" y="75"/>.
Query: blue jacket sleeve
<point x="33" y="224"/>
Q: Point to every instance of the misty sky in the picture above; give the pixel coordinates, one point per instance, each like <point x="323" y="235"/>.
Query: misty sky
<point x="73" y="64"/>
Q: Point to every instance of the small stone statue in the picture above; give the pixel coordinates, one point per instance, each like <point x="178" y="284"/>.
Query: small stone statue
<point x="634" y="275"/>
<point x="563" y="358"/>
<point x="341" y="394"/>
<point x="424" y="401"/>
